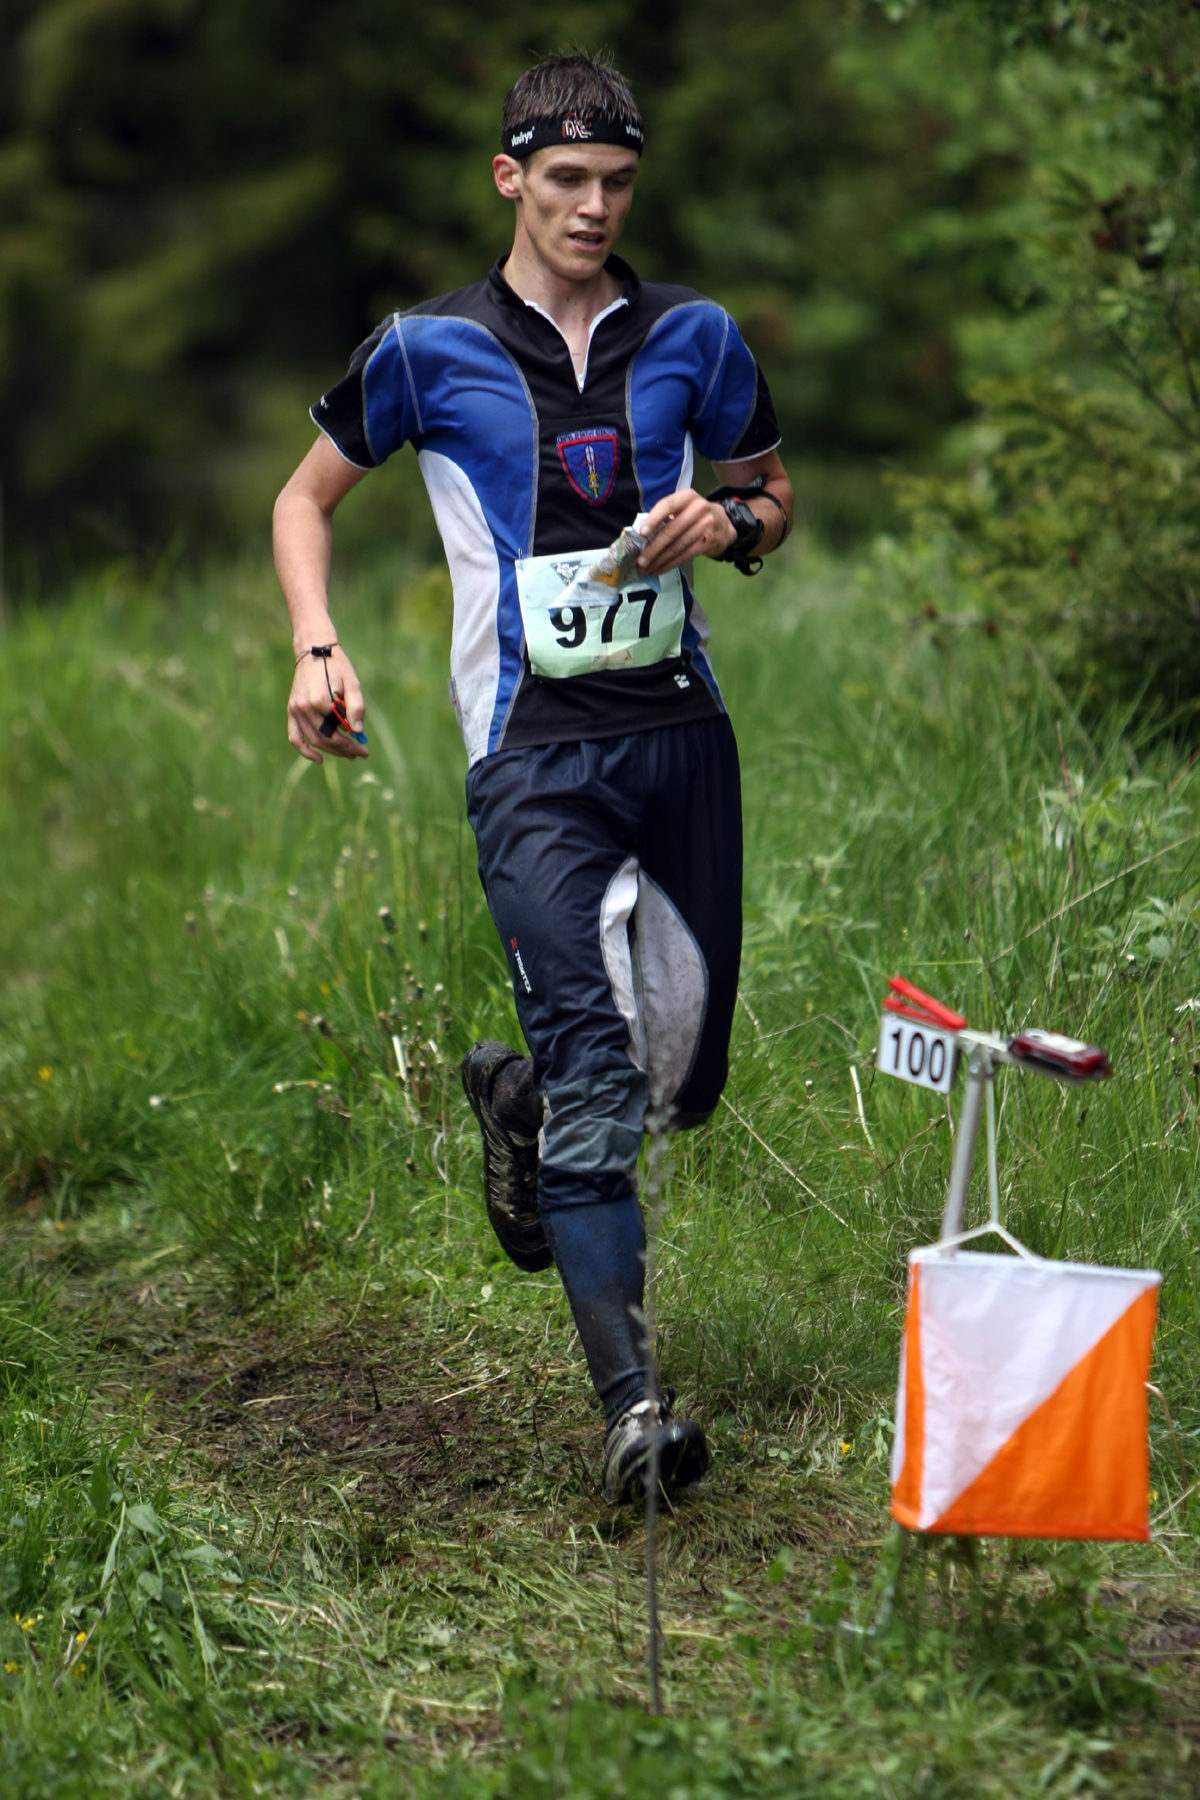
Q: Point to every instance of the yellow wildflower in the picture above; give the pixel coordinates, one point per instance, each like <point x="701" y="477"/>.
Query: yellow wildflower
<point x="44" y="1074"/>
<point x="845" y="1448"/>
<point x="81" y="1637"/>
<point x="11" y="1668"/>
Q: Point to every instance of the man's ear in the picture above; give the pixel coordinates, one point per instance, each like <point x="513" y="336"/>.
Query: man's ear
<point x="507" y="172"/>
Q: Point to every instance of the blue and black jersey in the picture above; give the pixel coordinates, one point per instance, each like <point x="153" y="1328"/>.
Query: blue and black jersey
<point x="521" y="458"/>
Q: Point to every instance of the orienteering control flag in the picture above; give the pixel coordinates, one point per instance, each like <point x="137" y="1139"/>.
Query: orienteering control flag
<point x="1021" y="1410"/>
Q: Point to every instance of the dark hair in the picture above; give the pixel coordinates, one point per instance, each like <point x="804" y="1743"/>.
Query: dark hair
<point x="570" y="81"/>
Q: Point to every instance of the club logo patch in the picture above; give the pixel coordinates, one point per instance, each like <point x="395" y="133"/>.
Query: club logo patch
<point x="589" y="460"/>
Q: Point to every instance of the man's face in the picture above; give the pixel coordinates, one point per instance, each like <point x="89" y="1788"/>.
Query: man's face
<point x="572" y="202"/>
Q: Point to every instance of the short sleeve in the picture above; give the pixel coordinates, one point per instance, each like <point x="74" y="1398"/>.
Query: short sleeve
<point x="370" y="412"/>
<point x="735" y="419"/>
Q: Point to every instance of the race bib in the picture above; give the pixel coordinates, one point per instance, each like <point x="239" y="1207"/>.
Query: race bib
<point x="610" y="628"/>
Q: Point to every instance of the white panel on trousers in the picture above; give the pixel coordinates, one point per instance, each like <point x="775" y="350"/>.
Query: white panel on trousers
<point x="670" y="981"/>
<point x="658" y="977"/>
<point x="620" y="898"/>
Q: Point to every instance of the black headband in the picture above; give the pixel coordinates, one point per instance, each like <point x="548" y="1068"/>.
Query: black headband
<point x="590" y="127"/>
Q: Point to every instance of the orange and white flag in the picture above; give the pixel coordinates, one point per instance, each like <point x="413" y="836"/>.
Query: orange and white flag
<point x="1021" y="1410"/>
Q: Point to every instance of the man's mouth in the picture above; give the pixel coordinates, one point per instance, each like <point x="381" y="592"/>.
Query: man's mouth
<point x="588" y="240"/>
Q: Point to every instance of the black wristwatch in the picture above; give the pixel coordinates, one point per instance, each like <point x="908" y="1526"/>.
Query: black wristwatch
<point x="749" y="528"/>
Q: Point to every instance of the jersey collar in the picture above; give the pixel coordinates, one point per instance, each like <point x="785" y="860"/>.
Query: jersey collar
<point x="500" y="291"/>
<point x="630" y="285"/>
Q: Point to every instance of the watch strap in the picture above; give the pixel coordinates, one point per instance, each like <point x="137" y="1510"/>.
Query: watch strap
<point x="749" y="535"/>
<point x="752" y="490"/>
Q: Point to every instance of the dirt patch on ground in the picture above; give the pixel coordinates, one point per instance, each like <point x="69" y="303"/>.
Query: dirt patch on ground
<point x="415" y="1423"/>
<point x="270" y="1410"/>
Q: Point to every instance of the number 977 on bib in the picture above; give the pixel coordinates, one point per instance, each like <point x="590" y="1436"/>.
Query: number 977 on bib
<point x="923" y="1054"/>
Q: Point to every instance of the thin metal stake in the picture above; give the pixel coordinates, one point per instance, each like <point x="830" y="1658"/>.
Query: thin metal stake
<point x="655" y="1123"/>
<point x="964" y="1144"/>
<point x="993" y="1173"/>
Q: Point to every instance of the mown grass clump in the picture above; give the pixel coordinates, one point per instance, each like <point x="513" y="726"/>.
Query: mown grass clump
<point x="311" y="1468"/>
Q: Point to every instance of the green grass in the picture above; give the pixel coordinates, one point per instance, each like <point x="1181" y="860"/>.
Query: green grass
<point x="297" y="1474"/>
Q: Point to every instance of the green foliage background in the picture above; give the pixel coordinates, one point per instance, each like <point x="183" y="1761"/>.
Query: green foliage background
<point x="204" y="207"/>
<point x="1067" y="509"/>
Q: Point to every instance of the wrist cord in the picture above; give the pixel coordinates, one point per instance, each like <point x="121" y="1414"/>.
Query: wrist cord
<point x="337" y="714"/>
<point x="324" y="652"/>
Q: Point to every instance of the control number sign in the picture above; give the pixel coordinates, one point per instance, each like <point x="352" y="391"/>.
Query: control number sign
<point x="919" y="1053"/>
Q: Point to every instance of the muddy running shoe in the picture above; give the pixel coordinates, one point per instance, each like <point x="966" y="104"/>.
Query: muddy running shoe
<point x="498" y="1082"/>
<point x="682" y="1451"/>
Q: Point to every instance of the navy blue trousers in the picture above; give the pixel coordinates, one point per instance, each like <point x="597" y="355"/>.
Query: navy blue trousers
<point x="613" y="871"/>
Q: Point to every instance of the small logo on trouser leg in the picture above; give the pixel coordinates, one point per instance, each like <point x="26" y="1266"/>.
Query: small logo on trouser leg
<point x="520" y="965"/>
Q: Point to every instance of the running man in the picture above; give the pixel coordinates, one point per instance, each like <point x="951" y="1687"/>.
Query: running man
<point x="550" y="406"/>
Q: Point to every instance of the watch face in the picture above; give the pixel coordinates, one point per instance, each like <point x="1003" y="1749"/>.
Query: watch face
<point x="743" y="520"/>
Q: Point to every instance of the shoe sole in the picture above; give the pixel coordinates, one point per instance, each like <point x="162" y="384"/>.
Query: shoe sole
<point x="523" y="1241"/>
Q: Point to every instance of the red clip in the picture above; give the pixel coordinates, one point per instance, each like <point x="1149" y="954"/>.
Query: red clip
<point x="902" y="1010"/>
<point x="931" y="1011"/>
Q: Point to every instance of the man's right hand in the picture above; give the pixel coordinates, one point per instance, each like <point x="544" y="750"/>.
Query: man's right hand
<point x="309" y="705"/>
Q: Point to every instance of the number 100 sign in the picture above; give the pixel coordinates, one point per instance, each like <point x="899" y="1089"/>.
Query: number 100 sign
<point x="919" y="1053"/>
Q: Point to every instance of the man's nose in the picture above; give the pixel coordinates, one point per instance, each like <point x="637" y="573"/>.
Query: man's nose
<point x="594" y="202"/>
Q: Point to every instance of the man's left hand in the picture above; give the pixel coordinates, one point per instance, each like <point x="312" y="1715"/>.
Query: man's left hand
<point x="682" y="526"/>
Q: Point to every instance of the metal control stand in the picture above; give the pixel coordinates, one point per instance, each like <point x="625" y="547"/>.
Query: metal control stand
<point x="922" y="1040"/>
<point x="983" y="1053"/>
